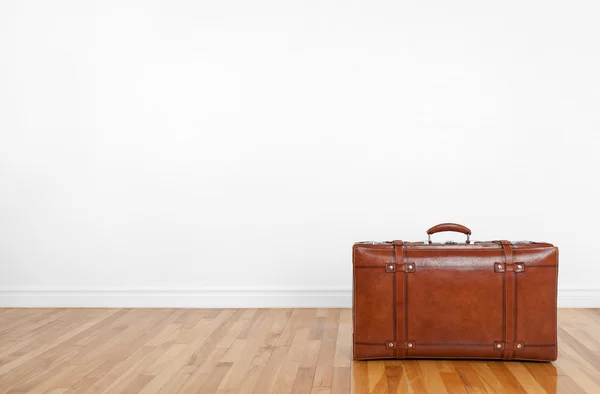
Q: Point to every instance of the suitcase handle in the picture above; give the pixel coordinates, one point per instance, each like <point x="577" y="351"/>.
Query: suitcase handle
<point x="459" y="228"/>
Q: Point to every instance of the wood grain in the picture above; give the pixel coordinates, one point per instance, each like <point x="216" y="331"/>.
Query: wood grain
<point x="257" y="351"/>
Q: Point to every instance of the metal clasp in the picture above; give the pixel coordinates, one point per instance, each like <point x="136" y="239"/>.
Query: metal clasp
<point x="468" y="241"/>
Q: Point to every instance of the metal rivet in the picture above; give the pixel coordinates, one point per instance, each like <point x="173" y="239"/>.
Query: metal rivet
<point x="410" y="344"/>
<point x="519" y="346"/>
<point x="499" y="345"/>
<point x="391" y="267"/>
<point x="410" y="266"/>
<point x="390" y="344"/>
<point x="519" y="266"/>
<point x="499" y="266"/>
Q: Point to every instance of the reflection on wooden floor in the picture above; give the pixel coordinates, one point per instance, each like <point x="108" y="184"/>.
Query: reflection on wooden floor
<point x="434" y="376"/>
<point x="577" y="369"/>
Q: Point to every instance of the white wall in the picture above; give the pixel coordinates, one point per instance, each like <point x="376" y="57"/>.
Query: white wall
<point x="196" y="147"/>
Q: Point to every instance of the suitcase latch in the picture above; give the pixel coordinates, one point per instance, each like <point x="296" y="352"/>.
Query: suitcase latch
<point x="405" y="267"/>
<point x="410" y="345"/>
<point x="513" y="267"/>
<point x="519" y="345"/>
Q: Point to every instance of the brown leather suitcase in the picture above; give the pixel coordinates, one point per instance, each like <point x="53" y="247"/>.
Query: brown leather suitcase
<point x="486" y="300"/>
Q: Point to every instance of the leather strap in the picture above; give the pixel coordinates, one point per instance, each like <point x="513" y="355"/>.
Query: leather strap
<point x="509" y="300"/>
<point x="399" y="299"/>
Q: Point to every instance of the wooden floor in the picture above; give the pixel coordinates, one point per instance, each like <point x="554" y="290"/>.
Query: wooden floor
<point x="256" y="351"/>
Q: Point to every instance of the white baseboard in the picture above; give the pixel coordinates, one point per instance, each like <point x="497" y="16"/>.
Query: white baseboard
<point x="220" y="298"/>
<point x="579" y="298"/>
<point x="171" y="298"/>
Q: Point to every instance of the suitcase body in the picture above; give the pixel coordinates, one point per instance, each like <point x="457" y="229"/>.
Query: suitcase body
<point x="482" y="300"/>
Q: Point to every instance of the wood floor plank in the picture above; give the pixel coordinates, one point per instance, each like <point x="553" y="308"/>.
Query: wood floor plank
<point x="394" y="375"/>
<point x="592" y="358"/>
<point x="28" y="330"/>
<point x="487" y="377"/>
<point x="21" y="317"/>
<point x="413" y="375"/>
<point x="212" y="383"/>
<point x="266" y="380"/>
<point x="469" y="378"/>
<point x="207" y="339"/>
<point x="508" y="380"/>
<point x="585" y="378"/>
<point x="289" y="370"/>
<point x="106" y="353"/>
<point x="431" y="376"/>
<point x="57" y="380"/>
<point x="544" y="373"/>
<point x="262" y="355"/>
<point x="303" y="381"/>
<point x="164" y="360"/>
<point x="282" y="316"/>
<point x="341" y="380"/>
<point x="191" y="352"/>
<point x="287" y="334"/>
<point x="35" y="333"/>
<point x="343" y="348"/>
<point x="82" y="380"/>
<point x="317" y="328"/>
<point x="311" y="353"/>
<point x="377" y="377"/>
<point x="236" y="329"/>
<point x="174" y="384"/>
<point x="119" y="370"/>
<point x="241" y="367"/>
<point x="524" y="377"/>
<point x="330" y="332"/>
<point x="249" y="328"/>
<point x="70" y="381"/>
<point x="263" y="335"/>
<point x="30" y="357"/>
<point x="4" y="310"/>
<point x="235" y="351"/>
<point x="137" y="384"/>
<point x="251" y="376"/>
<point x="565" y="384"/>
<point x="359" y="379"/>
<point x="32" y="373"/>
<point x="453" y="383"/>
<point x="324" y="369"/>
<point x="122" y="382"/>
<point x="277" y="351"/>
<point x="202" y="355"/>
<point x="162" y="336"/>
<point x="136" y="351"/>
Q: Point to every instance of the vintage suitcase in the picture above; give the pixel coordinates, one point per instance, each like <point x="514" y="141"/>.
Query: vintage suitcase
<point x="481" y="300"/>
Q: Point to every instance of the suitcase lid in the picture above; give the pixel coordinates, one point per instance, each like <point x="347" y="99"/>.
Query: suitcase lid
<point x="454" y="227"/>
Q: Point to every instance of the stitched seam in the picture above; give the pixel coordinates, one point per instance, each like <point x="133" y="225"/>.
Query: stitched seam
<point x="466" y="358"/>
<point x="370" y="266"/>
<point x="515" y="303"/>
<point x="353" y="296"/>
<point x="456" y="344"/>
<point x="503" y="307"/>
<point x="405" y="303"/>
<point x="507" y="353"/>
<point x="394" y="302"/>
<point x="401" y="354"/>
<point x="555" y="307"/>
<point x="541" y="266"/>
